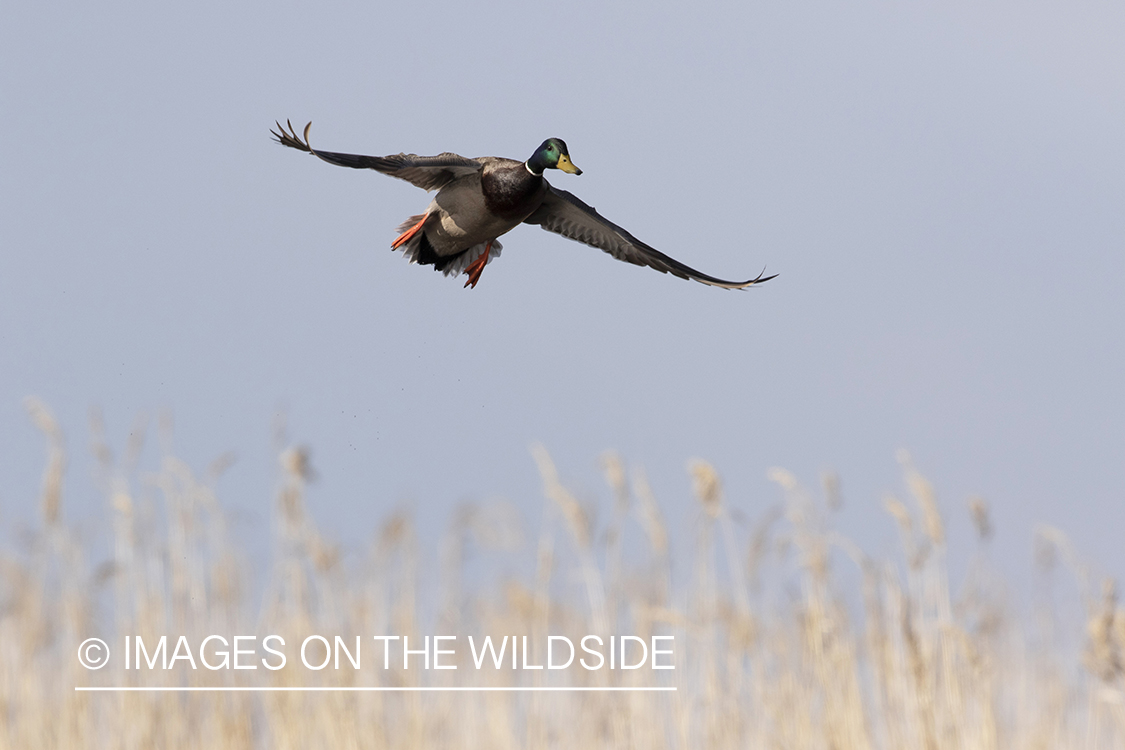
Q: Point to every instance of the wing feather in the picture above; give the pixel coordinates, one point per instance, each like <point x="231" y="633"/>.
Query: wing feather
<point x="563" y="213"/>
<point x="426" y="172"/>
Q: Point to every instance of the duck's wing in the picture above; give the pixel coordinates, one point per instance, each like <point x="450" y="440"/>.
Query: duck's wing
<point x="563" y="213"/>
<point x="426" y="172"/>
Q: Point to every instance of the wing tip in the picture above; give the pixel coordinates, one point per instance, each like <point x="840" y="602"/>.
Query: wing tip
<point x="288" y="136"/>
<point x="759" y="279"/>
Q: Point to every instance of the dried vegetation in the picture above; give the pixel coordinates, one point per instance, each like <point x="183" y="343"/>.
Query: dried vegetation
<point x="772" y="651"/>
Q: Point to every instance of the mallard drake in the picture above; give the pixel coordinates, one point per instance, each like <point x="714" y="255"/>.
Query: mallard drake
<point x="480" y="199"/>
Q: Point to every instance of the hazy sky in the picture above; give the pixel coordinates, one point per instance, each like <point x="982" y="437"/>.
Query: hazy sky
<point x="941" y="187"/>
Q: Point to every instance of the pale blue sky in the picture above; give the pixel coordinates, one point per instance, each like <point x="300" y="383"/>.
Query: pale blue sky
<point x="940" y="186"/>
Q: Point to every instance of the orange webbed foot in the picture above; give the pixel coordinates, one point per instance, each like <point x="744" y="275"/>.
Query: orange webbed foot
<point x="476" y="268"/>
<point x="405" y="236"/>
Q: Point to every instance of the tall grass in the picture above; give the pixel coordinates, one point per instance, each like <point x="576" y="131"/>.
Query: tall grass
<point x="770" y="650"/>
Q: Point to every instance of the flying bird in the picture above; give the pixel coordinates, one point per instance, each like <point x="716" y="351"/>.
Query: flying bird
<point x="480" y="199"/>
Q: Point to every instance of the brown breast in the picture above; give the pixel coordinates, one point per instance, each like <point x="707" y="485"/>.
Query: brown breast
<point x="511" y="191"/>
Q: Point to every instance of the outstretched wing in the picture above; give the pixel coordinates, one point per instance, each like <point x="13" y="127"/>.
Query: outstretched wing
<point x="565" y="214"/>
<point x="426" y="172"/>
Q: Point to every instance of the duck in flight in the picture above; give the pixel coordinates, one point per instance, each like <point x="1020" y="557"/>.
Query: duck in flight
<point x="480" y="199"/>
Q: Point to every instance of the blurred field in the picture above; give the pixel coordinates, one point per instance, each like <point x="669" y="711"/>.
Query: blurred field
<point x="771" y="650"/>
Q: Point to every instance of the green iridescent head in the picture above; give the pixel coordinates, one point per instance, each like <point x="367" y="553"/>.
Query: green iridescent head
<point x="552" y="154"/>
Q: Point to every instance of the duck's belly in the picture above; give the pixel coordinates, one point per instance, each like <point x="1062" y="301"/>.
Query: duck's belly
<point x="462" y="218"/>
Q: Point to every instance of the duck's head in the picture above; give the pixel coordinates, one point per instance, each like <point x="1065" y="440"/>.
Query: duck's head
<point x="552" y="154"/>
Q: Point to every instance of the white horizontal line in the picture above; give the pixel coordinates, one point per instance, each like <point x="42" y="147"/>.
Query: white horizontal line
<point x="369" y="689"/>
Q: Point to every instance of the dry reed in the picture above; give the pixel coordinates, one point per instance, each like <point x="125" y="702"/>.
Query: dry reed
<point x="770" y="652"/>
